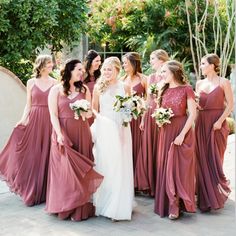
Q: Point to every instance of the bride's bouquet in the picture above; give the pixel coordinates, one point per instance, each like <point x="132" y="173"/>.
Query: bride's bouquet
<point x="162" y="116"/>
<point x="80" y="107"/>
<point x="130" y="107"/>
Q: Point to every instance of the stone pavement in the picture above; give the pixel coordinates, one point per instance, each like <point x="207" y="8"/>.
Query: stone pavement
<point x="19" y="220"/>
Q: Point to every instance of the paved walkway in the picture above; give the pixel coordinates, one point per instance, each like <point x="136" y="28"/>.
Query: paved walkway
<point x="19" y="220"/>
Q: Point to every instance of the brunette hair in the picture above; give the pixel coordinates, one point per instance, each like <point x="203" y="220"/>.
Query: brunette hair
<point x="212" y="58"/>
<point x="92" y="54"/>
<point x="177" y="70"/>
<point x="135" y="61"/>
<point x="66" y="77"/>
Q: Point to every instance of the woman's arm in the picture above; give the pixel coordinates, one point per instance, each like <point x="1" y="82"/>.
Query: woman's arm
<point x="229" y="104"/>
<point x="146" y="85"/>
<point x="25" y="117"/>
<point x="144" y="81"/>
<point x="95" y="101"/>
<point x="89" y="99"/>
<point x="191" y="117"/>
<point x="53" y="110"/>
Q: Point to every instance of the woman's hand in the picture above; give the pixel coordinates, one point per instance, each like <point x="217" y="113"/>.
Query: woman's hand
<point x="179" y="140"/>
<point x="141" y="126"/>
<point x="22" y="122"/>
<point x="217" y="125"/>
<point x="60" y="139"/>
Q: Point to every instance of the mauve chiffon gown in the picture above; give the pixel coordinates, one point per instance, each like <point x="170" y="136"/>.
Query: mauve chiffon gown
<point x="175" y="164"/>
<point x="136" y="133"/>
<point x="90" y="86"/>
<point x="71" y="178"/>
<point x="24" y="160"/>
<point x="145" y="171"/>
<point x="212" y="185"/>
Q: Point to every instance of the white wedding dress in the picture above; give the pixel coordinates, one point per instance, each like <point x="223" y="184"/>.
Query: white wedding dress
<point x="112" y="151"/>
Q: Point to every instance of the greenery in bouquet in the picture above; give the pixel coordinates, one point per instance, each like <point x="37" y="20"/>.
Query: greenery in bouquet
<point x="153" y="89"/>
<point x="162" y="116"/>
<point x="130" y="107"/>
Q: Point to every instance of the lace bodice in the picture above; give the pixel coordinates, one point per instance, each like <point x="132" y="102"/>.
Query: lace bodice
<point x="108" y="98"/>
<point x="176" y="99"/>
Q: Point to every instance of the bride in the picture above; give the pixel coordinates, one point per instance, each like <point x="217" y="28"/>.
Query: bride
<point x="112" y="147"/>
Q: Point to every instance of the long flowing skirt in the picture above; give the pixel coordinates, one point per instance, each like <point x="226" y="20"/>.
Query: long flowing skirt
<point x="113" y="158"/>
<point x="72" y="179"/>
<point x="145" y="170"/>
<point x="175" y="187"/>
<point x="212" y="185"/>
<point x="24" y="159"/>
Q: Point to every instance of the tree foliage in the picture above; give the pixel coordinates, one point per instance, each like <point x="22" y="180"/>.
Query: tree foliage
<point x="144" y="26"/>
<point x="28" y="25"/>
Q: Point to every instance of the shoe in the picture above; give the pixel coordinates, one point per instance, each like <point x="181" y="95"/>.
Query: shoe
<point x="173" y="217"/>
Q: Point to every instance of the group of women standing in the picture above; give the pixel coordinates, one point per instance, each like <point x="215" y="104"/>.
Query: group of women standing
<point x="83" y="168"/>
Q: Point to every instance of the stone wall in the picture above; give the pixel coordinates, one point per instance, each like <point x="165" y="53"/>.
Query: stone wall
<point x="12" y="103"/>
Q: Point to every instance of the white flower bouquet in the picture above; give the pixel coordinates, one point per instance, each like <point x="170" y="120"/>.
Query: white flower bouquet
<point x="130" y="107"/>
<point x="153" y="89"/>
<point x="80" y="107"/>
<point x="162" y="116"/>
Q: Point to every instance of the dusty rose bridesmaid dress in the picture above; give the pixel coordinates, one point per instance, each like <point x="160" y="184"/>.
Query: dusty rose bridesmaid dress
<point x="24" y="160"/>
<point x="139" y="90"/>
<point x="145" y="171"/>
<point x="72" y="179"/>
<point x="175" y="164"/>
<point x="212" y="185"/>
<point x="90" y="86"/>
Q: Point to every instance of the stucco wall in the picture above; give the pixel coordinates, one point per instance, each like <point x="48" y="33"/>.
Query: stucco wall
<point x="12" y="103"/>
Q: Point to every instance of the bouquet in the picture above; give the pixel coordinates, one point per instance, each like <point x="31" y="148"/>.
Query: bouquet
<point x="130" y="107"/>
<point x="153" y="89"/>
<point x="79" y="107"/>
<point x="162" y="116"/>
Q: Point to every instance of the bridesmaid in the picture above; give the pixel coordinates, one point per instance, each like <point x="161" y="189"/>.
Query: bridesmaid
<point x="138" y="84"/>
<point x="216" y="103"/>
<point x="92" y="69"/>
<point x="24" y="160"/>
<point x="72" y="180"/>
<point x="92" y="65"/>
<point x="145" y="173"/>
<point x="175" y="163"/>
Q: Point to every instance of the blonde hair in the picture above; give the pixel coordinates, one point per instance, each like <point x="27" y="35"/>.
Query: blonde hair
<point x="114" y="61"/>
<point x="40" y="64"/>
<point x="102" y="84"/>
<point x="161" y="55"/>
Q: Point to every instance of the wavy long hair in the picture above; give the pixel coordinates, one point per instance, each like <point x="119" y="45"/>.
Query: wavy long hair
<point x="135" y="61"/>
<point x="66" y="77"/>
<point x="179" y="75"/>
<point x="92" y="54"/>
